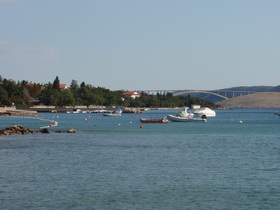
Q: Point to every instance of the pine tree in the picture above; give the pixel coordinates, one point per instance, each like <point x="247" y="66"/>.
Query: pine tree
<point x="56" y="83"/>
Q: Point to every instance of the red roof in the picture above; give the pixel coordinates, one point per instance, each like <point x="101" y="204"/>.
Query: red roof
<point x="130" y="93"/>
<point x="62" y="86"/>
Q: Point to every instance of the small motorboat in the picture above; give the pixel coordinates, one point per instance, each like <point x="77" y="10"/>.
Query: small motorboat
<point x="75" y="111"/>
<point x="116" y="113"/>
<point x="163" y="120"/>
<point x="277" y="113"/>
<point x="184" y="116"/>
<point x="111" y="114"/>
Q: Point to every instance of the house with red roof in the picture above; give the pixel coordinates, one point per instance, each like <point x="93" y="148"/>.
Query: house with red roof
<point x="131" y="94"/>
<point x="62" y="86"/>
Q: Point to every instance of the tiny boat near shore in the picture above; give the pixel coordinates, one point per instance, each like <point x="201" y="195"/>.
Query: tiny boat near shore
<point x="112" y="114"/>
<point x="116" y="113"/>
<point x="184" y="116"/>
<point x="277" y="113"/>
<point x="163" y="120"/>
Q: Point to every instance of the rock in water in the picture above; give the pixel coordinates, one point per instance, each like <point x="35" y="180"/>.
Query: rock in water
<point x="45" y="130"/>
<point x="72" y="131"/>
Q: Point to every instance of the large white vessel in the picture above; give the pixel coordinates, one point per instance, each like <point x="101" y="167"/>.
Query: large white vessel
<point x="204" y="111"/>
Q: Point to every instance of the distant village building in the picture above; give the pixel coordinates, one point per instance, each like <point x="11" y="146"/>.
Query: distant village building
<point x="30" y="84"/>
<point x="196" y="106"/>
<point x="63" y="86"/>
<point x="131" y="94"/>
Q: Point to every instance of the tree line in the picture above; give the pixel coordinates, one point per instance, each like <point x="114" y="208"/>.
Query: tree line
<point x="25" y="93"/>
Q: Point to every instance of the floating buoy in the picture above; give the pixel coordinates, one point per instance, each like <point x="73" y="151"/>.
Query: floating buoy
<point x="50" y="125"/>
<point x="240" y="121"/>
<point x="141" y="126"/>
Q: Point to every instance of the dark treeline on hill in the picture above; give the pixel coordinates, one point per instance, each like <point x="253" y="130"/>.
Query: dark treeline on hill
<point x="25" y="93"/>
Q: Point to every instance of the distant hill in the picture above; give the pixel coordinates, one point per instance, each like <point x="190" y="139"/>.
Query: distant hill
<point x="252" y="88"/>
<point x="256" y="100"/>
<point x="276" y="89"/>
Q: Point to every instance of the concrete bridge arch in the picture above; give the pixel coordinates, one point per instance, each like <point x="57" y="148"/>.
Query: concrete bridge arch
<point x="199" y="91"/>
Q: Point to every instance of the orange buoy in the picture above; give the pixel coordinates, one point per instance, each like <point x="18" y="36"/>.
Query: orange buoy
<point x="50" y="125"/>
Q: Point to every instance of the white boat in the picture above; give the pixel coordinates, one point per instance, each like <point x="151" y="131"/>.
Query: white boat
<point x="75" y="111"/>
<point x="277" y="113"/>
<point x="184" y="116"/>
<point x="111" y="114"/>
<point x="116" y="113"/>
<point x="205" y="111"/>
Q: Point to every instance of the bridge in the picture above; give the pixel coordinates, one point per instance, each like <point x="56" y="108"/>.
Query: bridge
<point x="221" y="94"/>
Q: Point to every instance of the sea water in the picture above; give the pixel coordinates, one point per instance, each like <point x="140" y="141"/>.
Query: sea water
<point x="113" y="163"/>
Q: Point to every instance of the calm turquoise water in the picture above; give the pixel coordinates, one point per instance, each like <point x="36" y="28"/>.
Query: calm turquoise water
<point x="115" y="164"/>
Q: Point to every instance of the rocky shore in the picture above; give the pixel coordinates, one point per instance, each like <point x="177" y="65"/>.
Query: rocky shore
<point x="20" y="130"/>
<point x="12" y="111"/>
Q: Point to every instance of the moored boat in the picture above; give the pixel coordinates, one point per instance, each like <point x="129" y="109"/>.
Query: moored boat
<point x="184" y="116"/>
<point x="111" y="114"/>
<point x="116" y="113"/>
<point x="205" y="111"/>
<point x="163" y="120"/>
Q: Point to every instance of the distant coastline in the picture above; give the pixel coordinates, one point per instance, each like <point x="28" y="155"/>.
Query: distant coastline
<point x="256" y="100"/>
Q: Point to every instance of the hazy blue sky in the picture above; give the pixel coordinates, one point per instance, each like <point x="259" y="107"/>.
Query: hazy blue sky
<point x="142" y="44"/>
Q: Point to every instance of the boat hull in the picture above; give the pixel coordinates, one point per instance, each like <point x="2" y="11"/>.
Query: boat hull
<point x="154" y="120"/>
<point x="112" y="114"/>
<point x="183" y="119"/>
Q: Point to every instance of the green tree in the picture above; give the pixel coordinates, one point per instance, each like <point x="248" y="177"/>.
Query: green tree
<point x="56" y="83"/>
<point x="66" y="98"/>
<point x="4" y="98"/>
<point x="74" y="85"/>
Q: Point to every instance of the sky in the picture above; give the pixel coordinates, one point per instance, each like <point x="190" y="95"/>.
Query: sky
<point x="142" y="44"/>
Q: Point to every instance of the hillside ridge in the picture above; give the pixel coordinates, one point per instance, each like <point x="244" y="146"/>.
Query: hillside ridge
<point x="255" y="100"/>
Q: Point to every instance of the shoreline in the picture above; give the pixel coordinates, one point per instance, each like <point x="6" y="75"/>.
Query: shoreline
<point x="13" y="111"/>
